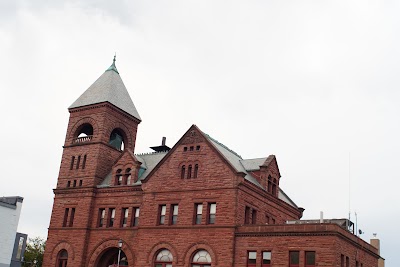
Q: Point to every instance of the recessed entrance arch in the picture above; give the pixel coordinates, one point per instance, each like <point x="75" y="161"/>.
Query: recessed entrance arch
<point x="109" y="258"/>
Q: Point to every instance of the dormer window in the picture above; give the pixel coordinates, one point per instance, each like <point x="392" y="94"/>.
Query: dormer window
<point x="269" y="188"/>
<point x="274" y="187"/>
<point x="118" y="177"/>
<point x="128" y="176"/>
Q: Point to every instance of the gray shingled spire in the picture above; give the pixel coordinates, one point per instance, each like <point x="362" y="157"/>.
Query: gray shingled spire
<point x="109" y="87"/>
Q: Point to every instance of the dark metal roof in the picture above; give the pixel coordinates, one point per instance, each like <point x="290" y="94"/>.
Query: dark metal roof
<point x="10" y="202"/>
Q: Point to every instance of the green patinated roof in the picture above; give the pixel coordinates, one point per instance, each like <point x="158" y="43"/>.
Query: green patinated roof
<point x="113" y="67"/>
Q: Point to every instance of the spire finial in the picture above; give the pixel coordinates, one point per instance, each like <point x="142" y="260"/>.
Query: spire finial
<point x="113" y="67"/>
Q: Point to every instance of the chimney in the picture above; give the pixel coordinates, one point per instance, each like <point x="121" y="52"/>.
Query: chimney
<point x="163" y="147"/>
<point x="375" y="242"/>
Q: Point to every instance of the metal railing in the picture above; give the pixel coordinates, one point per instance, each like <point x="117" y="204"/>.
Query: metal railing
<point x="83" y="139"/>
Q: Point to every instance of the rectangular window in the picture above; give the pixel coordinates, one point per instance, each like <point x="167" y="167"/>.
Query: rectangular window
<point x="342" y="260"/>
<point x="266" y="259"/>
<point x="74" y="183"/>
<point x="247" y="215"/>
<point x="212" y="210"/>
<point x="310" y="258"/>
<point x="65" y="217"/>
<point x="162" y="212"/>
<point x="135" y="221"/>
<point x="80" y="182"/>
<point x="124" y="217"/>
<point x="69" y="184"/>
<point x="78" y="163"/>
<point x="102" y="214"/>
<point x="198" y="214"/>
<point x="71" y="217"/>
<point x="251" y="258"/>
<point x="174" y="214"/>
<point x="347" y="262"/>
<point x="84" y="162"/>
<point x="20" y="244"/>
<point x="254" y="217"/>
<point x="273" y="220"/>
<point x="294" y="258"/>
<point x="267" y="219"/>
<point x="72" y="163"/>
<point x="357" y="264"/>
<point x="111" y="217"/>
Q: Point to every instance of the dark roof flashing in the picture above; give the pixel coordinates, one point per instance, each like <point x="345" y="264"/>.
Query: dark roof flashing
<point x="10" y="202"/>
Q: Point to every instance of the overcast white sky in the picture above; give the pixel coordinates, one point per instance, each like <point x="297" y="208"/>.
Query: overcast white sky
<point x="309" y="81"/>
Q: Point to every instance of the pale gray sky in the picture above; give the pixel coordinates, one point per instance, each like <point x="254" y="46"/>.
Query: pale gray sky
<point x="309" y="81"/>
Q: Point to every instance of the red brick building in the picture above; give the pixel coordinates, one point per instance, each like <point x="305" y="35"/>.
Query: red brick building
<point x="196" y="204"/>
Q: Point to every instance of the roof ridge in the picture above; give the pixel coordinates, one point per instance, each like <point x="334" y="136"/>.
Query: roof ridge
<point x="150" y="153"/>
<point x="255" y="158"/>
<point x="224" y="146"/>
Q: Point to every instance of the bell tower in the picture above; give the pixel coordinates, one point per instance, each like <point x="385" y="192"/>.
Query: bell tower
<point x="103" y="123"/>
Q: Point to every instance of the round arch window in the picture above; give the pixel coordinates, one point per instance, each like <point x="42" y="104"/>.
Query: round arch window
<point x="84" y="133"/>
<point x="201" y="259"/>
<point x="117" y="139"/>
<point x="62" y="258"/>
<point x="164" y="259"/>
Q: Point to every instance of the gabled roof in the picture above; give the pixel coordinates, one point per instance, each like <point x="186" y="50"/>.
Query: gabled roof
<point x="109" y="87"/>
<point x="151" y="160"/>
<point x="247" y="165"/>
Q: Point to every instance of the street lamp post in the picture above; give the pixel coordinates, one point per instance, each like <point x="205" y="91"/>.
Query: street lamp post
<point x="120" y="243"/>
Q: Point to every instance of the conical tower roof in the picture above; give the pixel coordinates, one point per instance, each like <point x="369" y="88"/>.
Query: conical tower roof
<point x="109" y="87"/>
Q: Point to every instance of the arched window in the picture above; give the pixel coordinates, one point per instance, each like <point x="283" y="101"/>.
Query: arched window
<point x="274" y="188"/>
<point x="189" y="174"/>
<point x="201" y="259"/>
<point x="117" y="139"/>
<point x="269" y="189"/>
<point x="118" y="177"/>
<point x="164" y="259"/>
<point x="183" y="170"/>
<point x="196" y="170"/>
<point x="84" y="133"/>
<point x="62" y="258"/>
<point x="128" y="176"/>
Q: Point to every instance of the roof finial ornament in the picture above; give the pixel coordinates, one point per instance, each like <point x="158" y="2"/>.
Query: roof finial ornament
<point x="113" y="67"/>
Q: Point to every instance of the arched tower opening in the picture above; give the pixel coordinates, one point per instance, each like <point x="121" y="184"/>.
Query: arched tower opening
<point x="117" y="139"/>
<point x="84" y="133"/>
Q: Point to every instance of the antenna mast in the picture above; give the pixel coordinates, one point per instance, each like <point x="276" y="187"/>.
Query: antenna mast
<point x="349" y="188"/>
